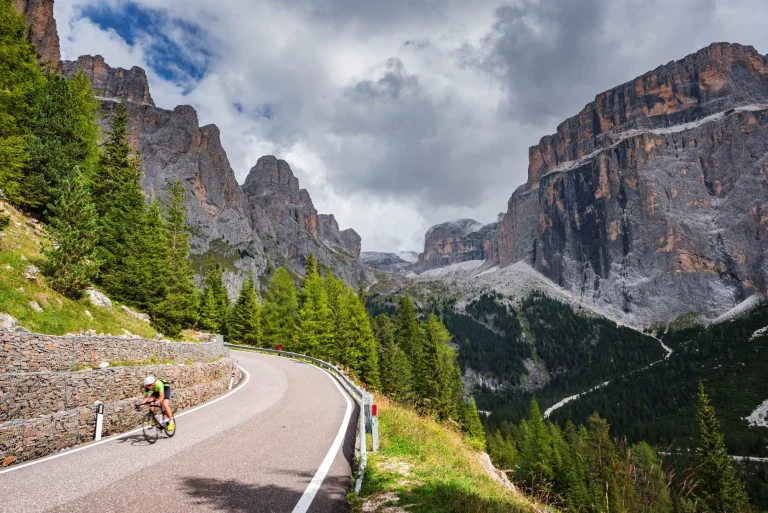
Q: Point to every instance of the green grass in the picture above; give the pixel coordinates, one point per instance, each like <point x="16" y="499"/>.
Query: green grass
<point x="423" y="466"/>
<point x="20" y="247"/>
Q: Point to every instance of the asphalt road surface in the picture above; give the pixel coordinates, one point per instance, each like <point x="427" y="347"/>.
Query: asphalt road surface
<point x="263" y="447"/>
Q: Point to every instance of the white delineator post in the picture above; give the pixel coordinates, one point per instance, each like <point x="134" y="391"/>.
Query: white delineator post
<point x="99" y="419"/>
<point x="231" y="380"/>
<point x="375" y="425"/>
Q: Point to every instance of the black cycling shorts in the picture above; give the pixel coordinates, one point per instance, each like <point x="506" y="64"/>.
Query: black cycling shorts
<point x="167" y="391"/>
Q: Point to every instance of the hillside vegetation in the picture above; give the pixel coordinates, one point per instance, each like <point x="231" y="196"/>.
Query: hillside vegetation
<point x="21" y="246"/>
<point x="424" y="466"/>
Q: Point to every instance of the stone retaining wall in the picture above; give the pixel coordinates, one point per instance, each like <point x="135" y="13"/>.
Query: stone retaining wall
<point x="27" y="395"/>
<point x="27" y="439"/>
<point x="32" y="352"/>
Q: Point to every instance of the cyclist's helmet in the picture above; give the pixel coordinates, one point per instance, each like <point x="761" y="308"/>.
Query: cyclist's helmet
<point x="149" y="381"/>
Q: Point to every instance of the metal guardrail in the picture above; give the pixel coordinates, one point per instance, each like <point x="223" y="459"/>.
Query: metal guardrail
<point x="368" y="421"/>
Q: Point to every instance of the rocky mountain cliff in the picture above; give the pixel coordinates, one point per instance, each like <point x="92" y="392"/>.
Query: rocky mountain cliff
<point x="274" y="224"/>
<point x="651" y="202"/>
<point x="458" y="241"/>
<point x="42" y="28"/>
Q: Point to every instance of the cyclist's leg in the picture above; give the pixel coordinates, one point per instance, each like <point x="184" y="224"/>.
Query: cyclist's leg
<point x="167" y="403"/>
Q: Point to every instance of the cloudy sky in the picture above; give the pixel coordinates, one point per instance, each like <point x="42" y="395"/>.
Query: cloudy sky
<point x="396" y="114"/>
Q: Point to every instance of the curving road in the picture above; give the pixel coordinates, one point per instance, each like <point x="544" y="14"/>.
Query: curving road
<point x="264" y="447"/>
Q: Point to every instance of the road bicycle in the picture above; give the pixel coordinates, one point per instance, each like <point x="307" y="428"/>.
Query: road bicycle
<point x="154" y="422"/>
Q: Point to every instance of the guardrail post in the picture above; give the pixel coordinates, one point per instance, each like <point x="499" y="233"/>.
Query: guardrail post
<point x="99" y="419"/>
<point x="374" y="425"/>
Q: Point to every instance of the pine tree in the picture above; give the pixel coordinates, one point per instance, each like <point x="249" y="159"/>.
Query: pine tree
<point x="357" y="337"/>
<point x="280" y="315"/>
<point x="21" y="83"/>
<point x="67" y="134"/>
<point x="71" y="264"/>
<point x="394" y="366"/>
<point x="316" y="336"/>
<point x="178" y="310"/>
<point x="719" y="486"/>
<point x="536" y="451"/>
<point x="119" y="199"/>
<point x="335" y="290"/>
<point x="214" y="302"/>
<point x="472" y="425"/>
<point x="311" y="266"/>
<point x="409" y="337"/>
<point x="245" y="319"/>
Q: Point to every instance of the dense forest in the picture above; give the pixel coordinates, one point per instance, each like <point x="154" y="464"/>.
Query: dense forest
<point x="577" y="352"/>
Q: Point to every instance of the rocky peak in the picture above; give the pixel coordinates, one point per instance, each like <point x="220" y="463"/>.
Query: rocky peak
<point x="714" y="79"/>
<point x="112" y="83"/>
<point x="348" y="239"/>
<point x="457" y="241"/>
<point x="649" y="203"/>
<point x="42" y="28"/>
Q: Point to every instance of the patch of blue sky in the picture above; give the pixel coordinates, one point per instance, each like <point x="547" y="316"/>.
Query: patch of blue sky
<point x="175" y="49"/>
<point x="264" y="111"/>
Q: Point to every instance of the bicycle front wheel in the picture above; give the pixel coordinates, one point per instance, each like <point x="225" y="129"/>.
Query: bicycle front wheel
<point x="150" y="428"/>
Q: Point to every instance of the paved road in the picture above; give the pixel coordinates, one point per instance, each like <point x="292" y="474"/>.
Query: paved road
<point x="257" y="449"/>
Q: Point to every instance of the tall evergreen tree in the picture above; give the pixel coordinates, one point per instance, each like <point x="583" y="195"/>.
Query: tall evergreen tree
<point x="536" y="451"/>
<point x="178" y="310"/>
<point x="245" y="319"/>
<point x="21" y="83"/>
<point x="355" y="334"/>
<point x="67" y="133"/>
<point x="71" y="263"/>
<point x="719" y="488"/>
<point x="280" y="315"/>
<point x="316" y="336"/>
<point x="335" y="290"/>
<point x="119" y="199"/>
<point x="311" y="267"/>
<point x="394" y="366"/>
<point x="214" y="302"/>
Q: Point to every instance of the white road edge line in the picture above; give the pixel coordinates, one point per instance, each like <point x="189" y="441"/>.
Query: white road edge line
<point x="309" y="494"/>
<point x="120" y="435"/>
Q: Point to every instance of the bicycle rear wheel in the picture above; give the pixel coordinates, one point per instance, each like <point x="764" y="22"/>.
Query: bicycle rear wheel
<point x="150" y="430"/>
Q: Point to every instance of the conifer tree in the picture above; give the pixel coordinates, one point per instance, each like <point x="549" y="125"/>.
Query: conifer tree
<point x="245" y="319"/>
<point x="119" y="199"/>
<point x="356" y="335"/>
<point x="21" y="83"/>
<point x="315" y="317"/>
<point x="719" y="486"/>
<point x="310" y="267"/>
<point x="67" y="133"/>
<point x="214" y="302"/>
<point x="472" y="425"/>
<point x="280" y="315"/>
<point x="394" y="366"/>
<point x="71" y="264"/>
<point x="178" y="310"/>
<point x="409" y="337"/>
<point x="335" y="290"/>
<point x="536" y="451"/>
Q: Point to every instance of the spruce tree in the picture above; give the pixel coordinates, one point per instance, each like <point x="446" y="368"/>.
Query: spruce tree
<point x="472" y="425"/>
<point x="119" y="199"/>
<point x="357" y="337"/>
<point x="214" y="303"/>
<point x="536" y="451"/>
<point x="245" y="319"/>
<point x="335" y="290"/>
<point x="21" y="83"/>
<point x="719" y="486"/>
<point x="310" y="267"/>
<point x="316" y="334"/>
<point x="394" y="366"/>
<point x="67" y="133"/>
<point x="178" y="310"/>
<point x="71" y="263"/>
<point x="280" y="315"/>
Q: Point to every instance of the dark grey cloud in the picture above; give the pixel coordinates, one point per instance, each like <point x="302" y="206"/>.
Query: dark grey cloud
<point x="553" y="57"/>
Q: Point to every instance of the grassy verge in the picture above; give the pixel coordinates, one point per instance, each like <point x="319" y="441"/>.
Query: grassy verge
<point x="423" y="466"/>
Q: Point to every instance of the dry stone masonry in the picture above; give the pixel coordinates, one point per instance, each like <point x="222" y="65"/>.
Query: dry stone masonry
<point x="45" y="407"/>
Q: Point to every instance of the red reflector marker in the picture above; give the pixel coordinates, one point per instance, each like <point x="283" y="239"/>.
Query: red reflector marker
<point x="374" y="410"/>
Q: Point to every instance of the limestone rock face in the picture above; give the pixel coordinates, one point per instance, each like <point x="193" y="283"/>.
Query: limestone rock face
<point x="388" y="262"/>
<point x="457" y="241"/>
<point x="42" y="28"/>
<point x="653" y="201"/>
<point x="112" y="83"/>
<point x="290" y="228"/>
<point x="348" y="240"/>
